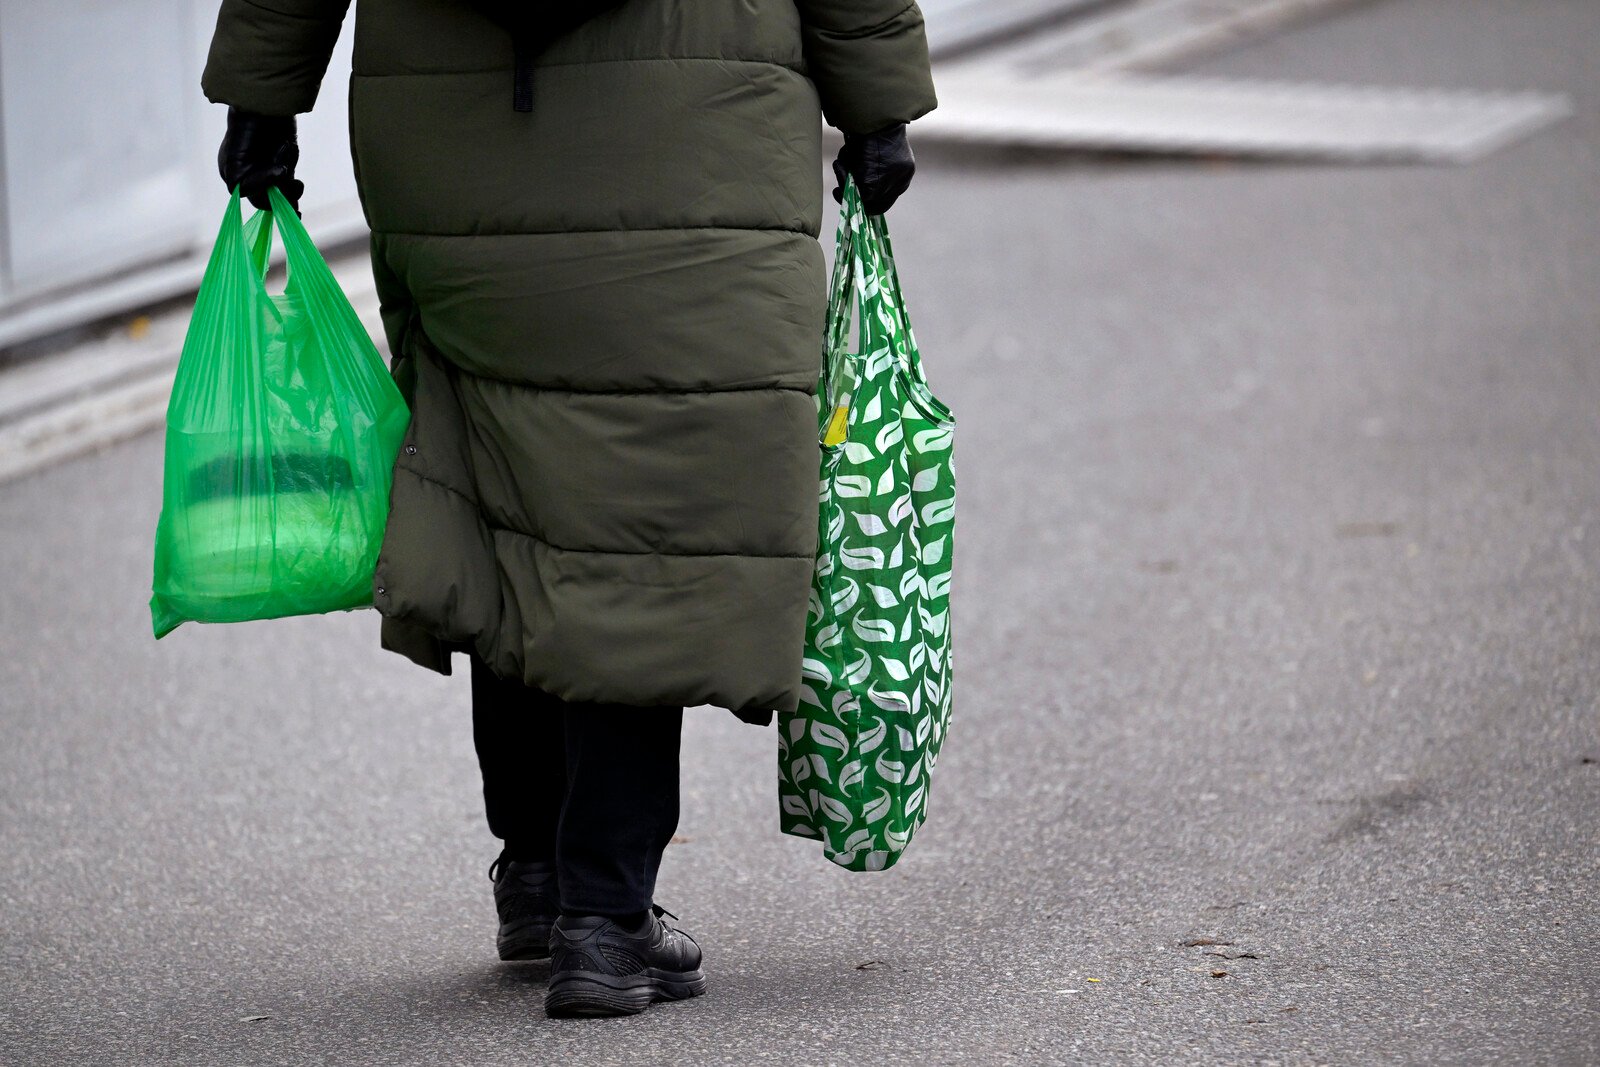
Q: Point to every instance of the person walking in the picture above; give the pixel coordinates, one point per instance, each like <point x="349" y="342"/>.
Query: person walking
<point x="594" y="235"/>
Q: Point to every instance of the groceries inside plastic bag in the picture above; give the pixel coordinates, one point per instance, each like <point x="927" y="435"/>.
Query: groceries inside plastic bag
<point x="281" y="437"/>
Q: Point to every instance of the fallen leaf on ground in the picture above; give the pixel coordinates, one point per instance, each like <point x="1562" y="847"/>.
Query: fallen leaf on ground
<point x="1199" y="941"/>
<point x="870" y="965"/>
<point x="1091" y="979"/>
<point x="1219" y="974"/>
<point x="254" y="1018"/>
<point x="1233" y="955"/>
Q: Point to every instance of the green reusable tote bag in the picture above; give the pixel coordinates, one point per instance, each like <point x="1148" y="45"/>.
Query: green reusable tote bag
<point x="282" y="432"/>
<point x="854" y="760"/>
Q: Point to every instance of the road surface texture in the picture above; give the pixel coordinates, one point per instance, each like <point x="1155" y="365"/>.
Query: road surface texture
<point x="1278" y="621"/>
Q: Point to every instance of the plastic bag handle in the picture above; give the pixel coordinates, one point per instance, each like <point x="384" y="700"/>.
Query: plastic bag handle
<point x="889" y="279"/>
<point x="879" y="252"/>
<point x="308" y="271"/>
<point x="838" y="377"/>
<point x="299" y="249"/>
<point x="257" y="238"/>
<point x="862" y="245"/>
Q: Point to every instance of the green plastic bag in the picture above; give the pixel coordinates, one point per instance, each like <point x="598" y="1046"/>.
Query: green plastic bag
<point x="282" y="432"/>
<point x="854" y="760"/>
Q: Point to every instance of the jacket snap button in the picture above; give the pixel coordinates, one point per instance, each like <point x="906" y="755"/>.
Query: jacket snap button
<point x="382" y="591"/>
<point x="411" y="450"/>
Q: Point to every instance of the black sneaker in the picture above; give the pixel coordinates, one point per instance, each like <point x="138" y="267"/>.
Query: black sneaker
<point x="600" y="968"/>
<point x="525" y="897"/>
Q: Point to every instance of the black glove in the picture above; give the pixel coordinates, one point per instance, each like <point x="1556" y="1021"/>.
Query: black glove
<point x="259" y="152"/>
<point x="881" y="163"/>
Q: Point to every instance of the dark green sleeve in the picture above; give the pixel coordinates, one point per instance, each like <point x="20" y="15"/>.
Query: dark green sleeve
<point x="269" y="56"/>
<point x="869" y="60"/>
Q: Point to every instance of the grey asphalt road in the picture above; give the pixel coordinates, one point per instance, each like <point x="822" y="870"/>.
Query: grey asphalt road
<point x="1278" y="615"/>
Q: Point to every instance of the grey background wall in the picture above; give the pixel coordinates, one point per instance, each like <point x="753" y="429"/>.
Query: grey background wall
<point x="108" y="148"/>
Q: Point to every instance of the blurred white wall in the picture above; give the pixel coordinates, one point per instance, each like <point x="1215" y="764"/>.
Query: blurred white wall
<point x="108" y="148"/>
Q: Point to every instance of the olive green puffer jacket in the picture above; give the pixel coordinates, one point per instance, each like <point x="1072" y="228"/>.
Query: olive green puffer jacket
<point x="607" y="314"/>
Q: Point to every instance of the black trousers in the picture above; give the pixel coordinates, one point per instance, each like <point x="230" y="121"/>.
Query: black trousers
<point x="592" y="788"/>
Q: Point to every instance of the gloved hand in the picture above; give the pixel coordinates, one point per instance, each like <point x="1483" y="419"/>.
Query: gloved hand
<point x="259" y="152"/>
<point x="881" y="163"/>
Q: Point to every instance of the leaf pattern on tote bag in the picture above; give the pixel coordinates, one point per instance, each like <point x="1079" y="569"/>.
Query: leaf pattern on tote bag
<point x="854" y="759"/>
